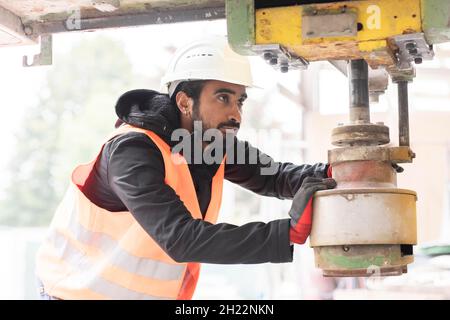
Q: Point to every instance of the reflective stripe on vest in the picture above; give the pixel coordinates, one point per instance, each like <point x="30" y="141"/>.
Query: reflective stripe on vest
<point x="92" y="253"/>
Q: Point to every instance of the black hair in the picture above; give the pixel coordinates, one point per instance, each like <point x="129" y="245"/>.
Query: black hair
<point x="193" y="89"/>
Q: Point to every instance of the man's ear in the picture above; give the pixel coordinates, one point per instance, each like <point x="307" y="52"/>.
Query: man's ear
<point x="183" y="102"/>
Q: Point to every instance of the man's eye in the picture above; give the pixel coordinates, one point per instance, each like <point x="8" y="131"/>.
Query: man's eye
<point x="223" y="98"/>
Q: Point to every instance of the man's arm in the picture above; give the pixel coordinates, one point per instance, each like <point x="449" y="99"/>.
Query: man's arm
<point x="136" y="175"/>
<point x="266" y="177"/>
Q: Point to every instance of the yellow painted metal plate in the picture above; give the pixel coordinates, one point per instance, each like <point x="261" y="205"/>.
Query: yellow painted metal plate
<point x="378" y="20"/>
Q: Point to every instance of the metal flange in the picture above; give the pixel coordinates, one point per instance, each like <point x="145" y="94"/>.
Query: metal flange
<point x="371" y="153"/>
<point x="366" y="134"/>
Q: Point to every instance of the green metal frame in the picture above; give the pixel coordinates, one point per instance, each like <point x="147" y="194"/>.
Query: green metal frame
<point x="240" y="16"/>
<point x="436" y="20"/>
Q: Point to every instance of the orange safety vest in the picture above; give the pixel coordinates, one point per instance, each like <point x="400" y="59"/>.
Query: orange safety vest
<point x="93" y="253"/>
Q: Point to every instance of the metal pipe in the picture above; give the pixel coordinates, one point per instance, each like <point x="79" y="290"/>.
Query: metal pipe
<point x="358" y="75"/>
<point x="403" y="116"/>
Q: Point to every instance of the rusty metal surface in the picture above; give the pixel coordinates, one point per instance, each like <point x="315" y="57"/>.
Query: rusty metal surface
<point x="364" y="216"/>
<point x="362" y="260"/>
<point x="364" y="174"/>
<point x="369" y="153"/>
<point x="360" y="134"/>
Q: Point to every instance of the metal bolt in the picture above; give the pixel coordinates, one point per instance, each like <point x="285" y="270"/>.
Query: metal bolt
<point x="28" y="31"/>
<point x="410" y="45"/>
<point x="418" y="60"/>
<point x="315" y="12"/>
<point x="284" y="68"/>
<point x="267" y="55"/>
<point x="273" y="61"/>
<point x="397" y="168"/>
<point x="346" y="248"/>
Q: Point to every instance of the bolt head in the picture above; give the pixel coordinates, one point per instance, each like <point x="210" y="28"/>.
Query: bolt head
<point x="418" y="60"/>
<point x="410" y="45"/>
<point x="284" y="68"/>
<point x="273" y="61"/>
<point x="267" y="55"/>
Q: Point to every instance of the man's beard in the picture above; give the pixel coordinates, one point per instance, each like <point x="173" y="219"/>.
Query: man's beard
<point x="233" y="125"/>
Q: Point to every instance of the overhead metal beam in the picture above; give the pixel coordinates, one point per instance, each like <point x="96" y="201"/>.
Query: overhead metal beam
<point x="45" y="57"/>
<point x="79" y="23"/>
<point x="11" y="29"/>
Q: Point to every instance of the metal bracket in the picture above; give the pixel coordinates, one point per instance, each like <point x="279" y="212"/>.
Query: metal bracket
<point x="398" y="75"/>
<point x="378" y="83"/>
<point x="280" y="58"/>
<point x="412" y="48"/>
<point x="45" y="58"/>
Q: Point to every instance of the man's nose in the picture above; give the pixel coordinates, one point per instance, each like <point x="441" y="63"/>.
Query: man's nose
<point x="235" y="114"/>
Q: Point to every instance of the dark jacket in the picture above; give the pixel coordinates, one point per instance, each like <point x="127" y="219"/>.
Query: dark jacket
<point x="129" y="176"/>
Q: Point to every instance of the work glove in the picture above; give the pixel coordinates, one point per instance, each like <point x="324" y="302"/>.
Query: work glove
<point x="301" y="209"/>
<point x="329" y="171"/>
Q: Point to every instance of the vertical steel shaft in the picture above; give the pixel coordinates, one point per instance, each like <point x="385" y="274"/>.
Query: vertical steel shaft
<point x="403" y="115"/>
<point x="358" y="75"/>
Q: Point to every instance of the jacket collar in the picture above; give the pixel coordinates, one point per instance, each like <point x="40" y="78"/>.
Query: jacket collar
<point x="150" y="110"/>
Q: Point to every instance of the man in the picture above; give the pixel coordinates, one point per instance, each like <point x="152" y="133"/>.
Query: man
<point x="138" y="220"/>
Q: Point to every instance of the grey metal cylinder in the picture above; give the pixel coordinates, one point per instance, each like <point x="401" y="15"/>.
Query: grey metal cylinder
<point x="370" y="216"/>
<point x="358" y="75"/>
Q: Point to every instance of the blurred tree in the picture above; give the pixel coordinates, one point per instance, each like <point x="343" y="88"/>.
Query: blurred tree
<point x="74" y="113"/>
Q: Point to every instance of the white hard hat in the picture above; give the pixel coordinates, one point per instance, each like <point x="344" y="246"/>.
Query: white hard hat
<point x="207" y="59"/>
